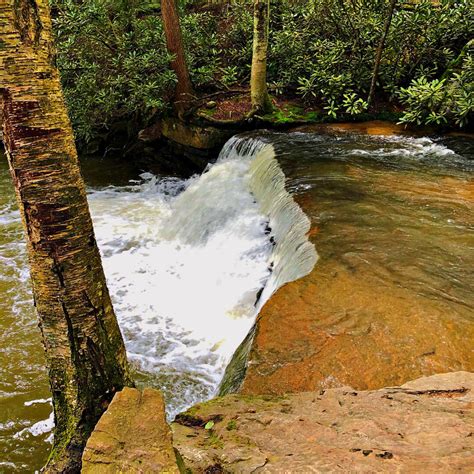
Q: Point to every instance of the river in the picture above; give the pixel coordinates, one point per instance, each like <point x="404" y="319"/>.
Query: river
<point x="185" y="259"/>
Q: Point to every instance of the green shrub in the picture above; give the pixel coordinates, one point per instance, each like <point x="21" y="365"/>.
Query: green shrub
<point x="113" y="62"/>
<point x="115" y="67"/>
<point x="440" y="101"/>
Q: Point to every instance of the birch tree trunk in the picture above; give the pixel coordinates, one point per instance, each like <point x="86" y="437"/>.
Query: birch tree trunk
<point x="174" y="42"/>
<point x="258" y="81"/>
<point x="84" y="347"/>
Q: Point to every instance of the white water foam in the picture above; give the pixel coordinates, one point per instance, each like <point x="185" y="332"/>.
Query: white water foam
<point x="293" y="255"/>
<point x="399" y="146"/>
<point x="185" y="261"/>
<point x="184" y="269"/>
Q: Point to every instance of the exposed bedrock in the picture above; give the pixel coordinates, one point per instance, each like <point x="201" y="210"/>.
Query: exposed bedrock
<point x="132" y="436"/>
<point x="422" y="426"/>
<point x="307" y="339"/>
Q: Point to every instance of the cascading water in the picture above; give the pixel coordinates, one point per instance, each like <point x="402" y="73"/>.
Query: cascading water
<point x="185" y="274"/>
<point x="189" y="263"/>
<point x="293" y="255"/>
<point x="184" y="262"/>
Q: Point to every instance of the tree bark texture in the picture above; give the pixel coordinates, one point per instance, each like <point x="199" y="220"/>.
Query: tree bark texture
<point x="174" y="42"/>
<point x="378" y="54"/>
<point x="84" y="347"/>
<point x="258" y="81"/>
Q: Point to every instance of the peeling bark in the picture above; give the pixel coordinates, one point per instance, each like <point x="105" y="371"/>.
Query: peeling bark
<point x="258" y="81"/>
<point x="84" y="347"/>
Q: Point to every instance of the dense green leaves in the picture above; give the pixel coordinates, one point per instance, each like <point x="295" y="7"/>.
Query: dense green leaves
<point x="439" y="101"/>
<point x="115" y="67"/>
<point x="113" y="62"/>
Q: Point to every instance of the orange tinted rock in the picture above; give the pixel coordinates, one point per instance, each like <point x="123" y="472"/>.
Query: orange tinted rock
<point x="424" y="426"/>
<point x="335" y="327"/>
<point x="382" y="305"/>
<point x="373" y="127"/>
<point x="132" y="436"/>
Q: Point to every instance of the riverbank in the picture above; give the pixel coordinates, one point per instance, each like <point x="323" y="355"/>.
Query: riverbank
<point x="423" y="425"/>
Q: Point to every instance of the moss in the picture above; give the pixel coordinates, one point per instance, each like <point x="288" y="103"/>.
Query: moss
<point x="232" y="425"/>
<point x="214" y="441"/>
<point x="180" y="462"/>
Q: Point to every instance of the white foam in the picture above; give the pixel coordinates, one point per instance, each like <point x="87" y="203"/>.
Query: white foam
<point x="401" y="146"/>
<point x="293" y="256"/>
<point x="39" y="428"/>
<point x="184" y="271"/>
<point x="39" y="400"/>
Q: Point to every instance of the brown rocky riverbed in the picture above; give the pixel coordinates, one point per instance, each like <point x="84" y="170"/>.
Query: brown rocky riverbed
<point x="423" y="426"/>
<point x="391" y="297"/>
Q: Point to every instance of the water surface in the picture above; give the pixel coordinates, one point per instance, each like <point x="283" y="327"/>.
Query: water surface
<point x="185" y="259"/>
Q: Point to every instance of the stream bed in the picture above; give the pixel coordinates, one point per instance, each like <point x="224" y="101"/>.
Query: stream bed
<point x="186" y="258"/>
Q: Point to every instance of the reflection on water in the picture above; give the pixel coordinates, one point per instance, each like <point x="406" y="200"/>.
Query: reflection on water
<point x="394" y="214"/>
<point x="184" y="261"/>
<point x="402" y="206"/>
<point x="392" y="295"/>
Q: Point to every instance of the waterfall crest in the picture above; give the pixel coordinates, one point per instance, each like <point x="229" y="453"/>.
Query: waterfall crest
<point x="293" y="255"/>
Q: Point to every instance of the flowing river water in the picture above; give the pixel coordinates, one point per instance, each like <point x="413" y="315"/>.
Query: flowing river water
<point x="186" y="259"/>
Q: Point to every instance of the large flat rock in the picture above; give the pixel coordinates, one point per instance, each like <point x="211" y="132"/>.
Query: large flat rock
<point x="338" y="327"/>
<point x="391" y="297"/>
<point x="132" y="436"/>
<point x="423" y="426"/>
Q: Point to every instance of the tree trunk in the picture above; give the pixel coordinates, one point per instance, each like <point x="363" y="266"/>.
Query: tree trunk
<point x="84" y="347"/>
<point x="174" y="42"/>
<point x="378" y="54"/>
<point x="258" y="81"/>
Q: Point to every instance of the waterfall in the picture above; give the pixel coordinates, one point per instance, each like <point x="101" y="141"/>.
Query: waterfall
<point x="189" y="263"/>
<point x="293" y="256"/>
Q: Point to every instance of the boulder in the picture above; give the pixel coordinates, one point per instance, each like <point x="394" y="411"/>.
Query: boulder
<point x="195" y="136"/>
<point x="132" y="436"/>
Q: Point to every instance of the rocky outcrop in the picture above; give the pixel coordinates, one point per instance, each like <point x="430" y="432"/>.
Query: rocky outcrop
<point x="372" y="312"/>
<point x="132" y="436"/>
<point x="195" y="136"/>
<point x="422" y="426"/>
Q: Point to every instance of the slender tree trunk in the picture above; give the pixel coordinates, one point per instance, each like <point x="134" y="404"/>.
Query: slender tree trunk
<point x="378" y="54"/>
<point x="84" y="347"/>
<point x="174" y="42"/>
<point x="258" y="81"/>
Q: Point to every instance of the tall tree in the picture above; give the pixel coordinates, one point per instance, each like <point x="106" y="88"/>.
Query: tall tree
<point x="174" y="42"/>
<point x="84" y="347"/>
<point x="380" y="47"/>
<point x="258" y="81"/>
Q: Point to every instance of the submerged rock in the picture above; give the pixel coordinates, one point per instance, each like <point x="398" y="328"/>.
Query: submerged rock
<point x="132" y="436"/>
<point x="422" y="426"/>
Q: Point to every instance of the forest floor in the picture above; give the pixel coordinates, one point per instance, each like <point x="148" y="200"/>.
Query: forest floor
<point x="235" y="106"/>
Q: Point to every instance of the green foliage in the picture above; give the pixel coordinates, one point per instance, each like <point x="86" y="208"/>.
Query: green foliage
<point x="325" y="49"/>
<point x="440" y="101"/>
<point x="114" y="64"/>
<point x="232" y="425"/>
<point x="115" y="67"/>
<point x="202" y="49"/>
<point x="209" y="425"/>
